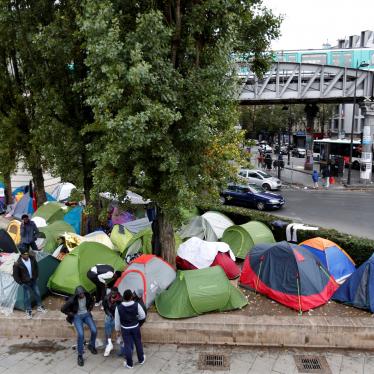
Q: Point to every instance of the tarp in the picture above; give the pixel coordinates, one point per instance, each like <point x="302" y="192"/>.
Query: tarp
<point x="199" y="291"/>
<point x="288" y="274"/>
<point x="358" y="289"/>
<point x="74" y="218"/>
<point x="149" y="274"/>
<point x="6" y="242"/>
<point x="62" y="191"/>
<point x="73" y="269"/>
<point x="200" y="253"/>
<point x="51" y="211"/>
<point x="335" y="259"/>
<point x="210" y="226"/>
<point x="52" y="232"/>
<point x="241" y="239"/>
<point x="120" y="237"/>
<point x="138" y="225"/>
<point x="24" y="206"/>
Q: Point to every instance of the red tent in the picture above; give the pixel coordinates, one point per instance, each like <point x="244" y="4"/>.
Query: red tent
<point x="222" y="259"/>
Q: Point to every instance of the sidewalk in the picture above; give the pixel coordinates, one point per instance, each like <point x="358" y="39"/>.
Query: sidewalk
<point x="56" y="356"/>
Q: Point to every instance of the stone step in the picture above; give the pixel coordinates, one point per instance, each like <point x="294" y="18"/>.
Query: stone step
<point x="215" y="329"/>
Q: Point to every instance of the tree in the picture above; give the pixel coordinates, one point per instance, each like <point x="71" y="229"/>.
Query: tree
<point x="162" y="84"/>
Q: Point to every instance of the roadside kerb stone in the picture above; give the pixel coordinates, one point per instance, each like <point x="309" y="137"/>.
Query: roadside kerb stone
<point x="221" y="329"/>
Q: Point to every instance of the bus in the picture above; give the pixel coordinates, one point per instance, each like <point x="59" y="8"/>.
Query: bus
<point x="325" y="149"/>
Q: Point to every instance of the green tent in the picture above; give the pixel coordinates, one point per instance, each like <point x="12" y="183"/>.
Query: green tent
<point x="51" y="211"/>
<point x="52" y="232"/>
<point x="242" y="238"/>
<point x="120" y="237"/>
<point x="199" y="291"/>
<point x="47" y="266"/>
<point x="73" y="269"/>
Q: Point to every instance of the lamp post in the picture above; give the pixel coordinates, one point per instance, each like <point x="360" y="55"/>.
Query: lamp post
<point x="285" y="107"/>
<point x="362" y="65"/>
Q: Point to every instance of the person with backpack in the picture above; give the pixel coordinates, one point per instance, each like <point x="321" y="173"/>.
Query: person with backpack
<point x="25" y="273"/>
<point x="110" y="302"/>
<point x="78" y="310"/>
<point x="126" y="320"/>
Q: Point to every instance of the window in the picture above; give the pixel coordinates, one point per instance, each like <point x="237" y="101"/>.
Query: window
<point x="243" y="189"/>
<point x="292" y="58"/>
<point x="347" y="60"/>
<point x="254" y="175"/>
<point x="335" y="59"/>
<point x="372" y="59"/>
<point x="243" y="173"/>
<point x="231" y="188"/>
<point x="314" y="58"/>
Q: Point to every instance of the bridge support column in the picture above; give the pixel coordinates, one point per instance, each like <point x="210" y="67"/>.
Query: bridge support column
<point x="311" y="111"/>
<point x="367" y="142"/>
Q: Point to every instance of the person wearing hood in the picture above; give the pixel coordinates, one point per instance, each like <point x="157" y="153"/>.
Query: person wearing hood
<point x="315" y="179"/>
<point x="110" y="302"/>
<point x="78" y="310"/>
<point x="25" y="273"/>
<point x="126" y="320"/>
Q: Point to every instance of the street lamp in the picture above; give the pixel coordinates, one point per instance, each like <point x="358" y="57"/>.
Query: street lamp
<point x="285" y="107"/>
<point x="363" y="64"/>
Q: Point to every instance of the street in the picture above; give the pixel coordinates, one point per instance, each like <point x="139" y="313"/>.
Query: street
<point x="349" y="212"/>
<point x="32" y="356"/>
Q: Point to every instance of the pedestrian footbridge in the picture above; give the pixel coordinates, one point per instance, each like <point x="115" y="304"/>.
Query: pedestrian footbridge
<point x="288" y="83"/>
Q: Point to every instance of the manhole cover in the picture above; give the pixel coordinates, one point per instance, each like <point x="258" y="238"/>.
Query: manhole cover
<point x="213" y="361"/>
<point x="312" y="364"/>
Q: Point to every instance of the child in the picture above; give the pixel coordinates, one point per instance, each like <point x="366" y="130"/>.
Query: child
<point x="315" y="178"/>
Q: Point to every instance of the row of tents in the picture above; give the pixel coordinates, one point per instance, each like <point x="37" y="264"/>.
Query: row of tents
<point x="299" y="276"/>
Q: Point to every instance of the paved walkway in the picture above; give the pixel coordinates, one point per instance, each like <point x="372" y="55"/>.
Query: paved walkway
<point x="38" y="356"/>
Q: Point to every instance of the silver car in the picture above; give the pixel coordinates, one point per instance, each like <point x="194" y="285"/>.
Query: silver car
<point x="261" y="178"/>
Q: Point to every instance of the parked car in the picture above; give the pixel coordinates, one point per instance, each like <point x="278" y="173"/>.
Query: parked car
<point x="260" y="178"/>
<point x="265" y="148"/>
<point x="298" y="152"/>
<point x="283" y="149"/>
<point x="251" y="196"/>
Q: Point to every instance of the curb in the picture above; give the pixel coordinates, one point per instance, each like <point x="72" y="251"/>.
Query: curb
<point x="216" y="329"/>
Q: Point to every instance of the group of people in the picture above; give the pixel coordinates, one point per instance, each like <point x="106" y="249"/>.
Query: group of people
<point x="326" y="178"/>
<point x="265" y="161"/>
<point x="123" y="313"/>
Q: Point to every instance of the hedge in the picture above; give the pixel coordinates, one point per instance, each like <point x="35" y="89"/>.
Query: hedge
<point x="360" y="249"/>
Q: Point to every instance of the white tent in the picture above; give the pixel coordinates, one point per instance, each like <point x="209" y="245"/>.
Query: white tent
<point x="62" y="191"/>
<point x="210" y="226"/>
<point x="131" y="197"/>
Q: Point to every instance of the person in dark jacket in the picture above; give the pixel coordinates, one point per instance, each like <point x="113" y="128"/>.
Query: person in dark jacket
<point x="29" y="233"/>
<point x="78" y="310"/>
<point x="102" y="275"/>
<point x="25" y="273"/>
<point x="110" y="302"/>
<point x="126" y="320"/>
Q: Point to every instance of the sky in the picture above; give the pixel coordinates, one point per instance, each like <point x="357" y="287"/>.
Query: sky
<point x="310" y="23"/>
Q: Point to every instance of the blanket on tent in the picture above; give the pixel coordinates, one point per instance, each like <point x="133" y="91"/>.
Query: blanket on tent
<point x="200" y="253"/>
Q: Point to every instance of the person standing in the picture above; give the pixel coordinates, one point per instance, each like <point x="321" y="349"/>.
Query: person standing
<point x="326" y="176"/>
<point x="315" y="179"/>
<point x="126" y="320"/>
<point x="137" y="296"/>
<point x="110" y="302"/>
<point x="78" y="310"/>
<point x="100" y="275"/>
<point x="25" y="273"/>
<point x="29" y="233"/>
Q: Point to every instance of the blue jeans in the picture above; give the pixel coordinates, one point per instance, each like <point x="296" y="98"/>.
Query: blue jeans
<point x="27" y="288"/>
<point x="108" y="326"/>
<point x="131" y="337"/>
<point x="79" y="320"/>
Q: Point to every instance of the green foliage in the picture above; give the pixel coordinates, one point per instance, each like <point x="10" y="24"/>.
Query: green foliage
<point x="360" y="249"/>
<point x="162" y="86"/>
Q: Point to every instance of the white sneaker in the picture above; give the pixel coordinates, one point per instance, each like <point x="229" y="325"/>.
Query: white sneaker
<point x="141" y="363"/>
<point x="127" y="366"/>
<point x="108" y="349"/>
<point x="41" y="309"/>
<point x="99" y="303"/>
<point x="28" y="314"/>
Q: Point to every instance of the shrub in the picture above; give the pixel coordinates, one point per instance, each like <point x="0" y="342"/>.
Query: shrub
<point x="360" y="249"/>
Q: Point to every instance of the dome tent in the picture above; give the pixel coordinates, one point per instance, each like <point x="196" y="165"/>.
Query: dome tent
<point x="63" y="191"/>
<point x="51" y="211"/>
<point x="195" y="292"/>
<point x="147" y="273"/>
<point x="7" y="244"/>
<point x="288" y="274"/>
<point x="242" y="238"/>
<point x="333" y="258"/>
<point x="209" y="226"/>
<point x="72" y="271"/>
<point x="52" y="232"/>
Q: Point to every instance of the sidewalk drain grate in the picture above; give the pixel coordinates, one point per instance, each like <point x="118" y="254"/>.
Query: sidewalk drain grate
<point x="312" y="364"/>
<point x="210" y="361"/>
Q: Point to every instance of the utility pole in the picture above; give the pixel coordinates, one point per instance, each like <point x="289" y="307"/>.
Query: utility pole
<point x="279" y="154"/>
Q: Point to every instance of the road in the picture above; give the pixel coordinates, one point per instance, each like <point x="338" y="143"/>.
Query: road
<point x="349" y="212"/>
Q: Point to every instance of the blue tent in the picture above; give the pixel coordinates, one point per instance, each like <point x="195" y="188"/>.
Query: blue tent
<point x="24" y="206"/>
<point x="74" y="218"/>
<point x="358" y="289"/>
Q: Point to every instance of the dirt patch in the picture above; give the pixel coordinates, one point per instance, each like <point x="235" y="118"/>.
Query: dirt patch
<point x="43" y="346"/>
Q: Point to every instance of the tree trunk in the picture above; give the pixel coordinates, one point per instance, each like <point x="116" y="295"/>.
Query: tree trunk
<point x="8" y="189"/>
<point x="38" y="179"/>
<point x="163" y="241"/>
